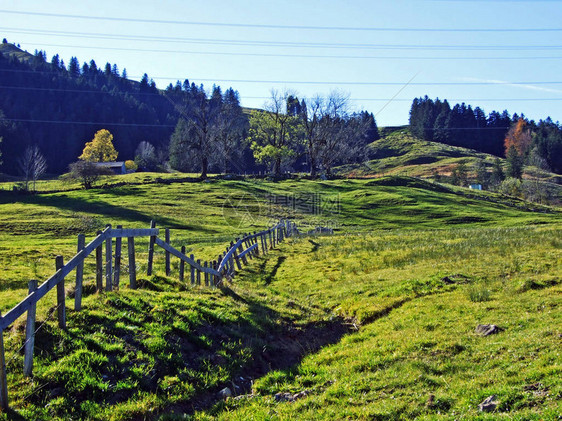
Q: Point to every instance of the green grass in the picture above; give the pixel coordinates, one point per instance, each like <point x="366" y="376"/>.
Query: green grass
<point x="416" y="337"/>
<point x="400" y="153"/>
<point x="370" y="321"/>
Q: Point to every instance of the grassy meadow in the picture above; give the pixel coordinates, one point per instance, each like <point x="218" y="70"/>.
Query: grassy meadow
<point x="374" y="322"/>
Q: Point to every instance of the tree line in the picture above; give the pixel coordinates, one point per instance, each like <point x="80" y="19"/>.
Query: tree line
<point x="462" y="125"/>
<point x="55" y="108"/>
<point x="310" y="135"/>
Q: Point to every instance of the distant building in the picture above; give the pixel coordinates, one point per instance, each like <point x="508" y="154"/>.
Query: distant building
<point x="116" y="167"/>
<point x="475" y="186"/>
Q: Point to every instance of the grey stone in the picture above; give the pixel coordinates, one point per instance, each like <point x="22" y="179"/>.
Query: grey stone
<point x="489" y="404"/>
<point x="225" y="393"/>
<point x="486" y="330"/>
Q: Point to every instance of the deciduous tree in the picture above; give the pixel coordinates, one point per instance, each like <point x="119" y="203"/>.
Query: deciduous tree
<point x="32" y="165"/>
<point x="274" y="133"/>
<point x="100" y="149"/>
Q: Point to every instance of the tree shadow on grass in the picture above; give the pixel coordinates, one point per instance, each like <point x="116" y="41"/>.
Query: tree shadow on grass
<point x="75" y="204"/>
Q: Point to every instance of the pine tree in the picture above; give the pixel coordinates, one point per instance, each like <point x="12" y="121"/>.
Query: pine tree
<point x="74" y="67"/>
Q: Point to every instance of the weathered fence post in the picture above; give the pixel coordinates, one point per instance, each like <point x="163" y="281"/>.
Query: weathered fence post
<point x="117" y="271"/>
<point x="216" y="279"/>
<point x="167" y="254"/>
<point x="198" y="272"/>
<point x="79" y="275"/>
<point x="255" y="242"/>
<point x="192" y="257"/>
<point x="108" y="262"/>
<point x="30" y="333"/>
<point x="182" y="264"/>
<point x="235" y="255"/>
<point x="3" y="378"/>
<point x="151" y="250"/>
<point x="244" y="259"/>
<point x="206" y="275"/>
<point x="262" y="241"/>
<point x="99" y="266"/>
<point x="61" y="296"/>
<point x="132" y="263"/>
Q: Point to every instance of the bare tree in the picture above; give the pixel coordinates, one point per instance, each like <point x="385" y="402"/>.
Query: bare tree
<point x="229" y="131"/>
<point x="341" y="135"/>
<point x="32" y="165"/>
<point x="145" y="156"/>
<point x="195" y="135"/>
<point x="311" y="115"/>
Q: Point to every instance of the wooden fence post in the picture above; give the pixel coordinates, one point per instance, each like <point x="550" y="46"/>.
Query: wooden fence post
<point x="30" y="333"/>
<point x="61" y="296"/>
<point x="3" y="378"/>
<point x="244" y="259"/>
<point x="198" y="272"/>
<point x="236" y="259"/>
<point x="79" y="275"/>
<point x="132" y="263"/>
<point x="206" y="275"/>
<point x="182" y="264"/>
<point x="192" y="257"/>
<point x="167" y="240"/>
<point x="108" y="263"/>
<point x="99" y="267"/>
<point x="214" y="282"/>
<point x="255" y="241"/>
<point x="117" y="271"/>
<point x="151" y="250"/>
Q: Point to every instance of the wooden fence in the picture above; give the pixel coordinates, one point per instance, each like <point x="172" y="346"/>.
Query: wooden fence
<point x="210" y="273"/>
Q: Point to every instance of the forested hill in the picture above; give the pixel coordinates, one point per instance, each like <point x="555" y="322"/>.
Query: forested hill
<point x="59" y="108"/>
<point x="540" y="142"/>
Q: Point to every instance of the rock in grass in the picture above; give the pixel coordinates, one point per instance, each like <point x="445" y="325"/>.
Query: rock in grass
<point x="486" y="330"/>
<point x="225" y="393"/>
<point x="489" y="404"/>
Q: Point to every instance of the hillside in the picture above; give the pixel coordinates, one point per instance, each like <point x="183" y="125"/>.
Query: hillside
<point x="369" y="322"/>
<point x="398" y="152"/>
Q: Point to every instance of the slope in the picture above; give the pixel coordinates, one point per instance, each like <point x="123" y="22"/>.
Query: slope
<point x="169" y="348"/>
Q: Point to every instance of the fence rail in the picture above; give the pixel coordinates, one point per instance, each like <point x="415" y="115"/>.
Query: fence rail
<point x="224" y="267"/>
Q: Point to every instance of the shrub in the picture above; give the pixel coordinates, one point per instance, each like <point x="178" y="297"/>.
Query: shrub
<point x="87" y="172"/>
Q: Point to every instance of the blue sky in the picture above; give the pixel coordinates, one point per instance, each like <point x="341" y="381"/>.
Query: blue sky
<point x="368" y="49"/>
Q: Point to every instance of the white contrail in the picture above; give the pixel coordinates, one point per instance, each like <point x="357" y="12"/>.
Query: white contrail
<point x="506" y="83"/>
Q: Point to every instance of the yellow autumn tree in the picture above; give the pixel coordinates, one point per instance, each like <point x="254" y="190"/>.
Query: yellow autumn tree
<point x="100" y="149"/>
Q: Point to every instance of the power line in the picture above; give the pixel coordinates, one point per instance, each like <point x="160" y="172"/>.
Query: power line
<point x="30" y="88"/>
<point x="273" y="26"/>
<point x="94" y="123"/>
<point x="316" y="82"/>
<point x="170" y="126"/>
<point x="230" y="42"/>
<point x="313" y="56"/>
<point x="80" y="91"/>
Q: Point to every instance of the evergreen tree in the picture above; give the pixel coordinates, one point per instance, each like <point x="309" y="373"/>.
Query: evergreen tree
<point x="74" y="67"/>
<point x="514" y="163"/>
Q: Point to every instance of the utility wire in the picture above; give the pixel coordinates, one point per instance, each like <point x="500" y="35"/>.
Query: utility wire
<point x="30" y="88"/>
<point x="96" y="123"/>
<point x="313" y="56"/>
<point x="168" y="125"/>
<point x="274" y="26"/>
<point x="311" y="82"/>
<point x="229" y="42"/>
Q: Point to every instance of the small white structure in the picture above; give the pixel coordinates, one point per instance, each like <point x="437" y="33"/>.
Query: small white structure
<point x="475" y="186"/>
